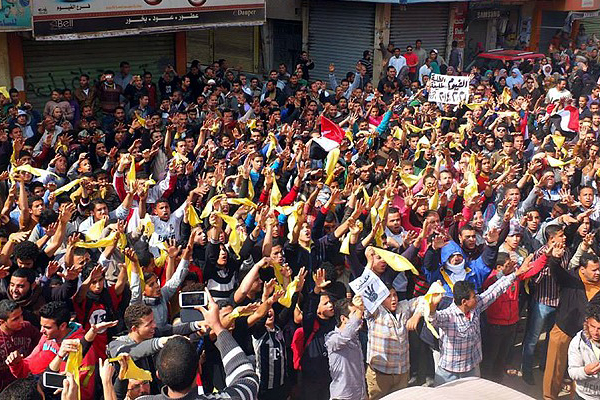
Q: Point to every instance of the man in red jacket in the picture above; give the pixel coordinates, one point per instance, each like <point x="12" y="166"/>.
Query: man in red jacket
<point x="54" y="319"/>
<point x="503" y="315"/>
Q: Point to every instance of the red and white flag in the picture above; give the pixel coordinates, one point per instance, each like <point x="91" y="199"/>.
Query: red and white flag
<point x="331" y="135"/>
<point x="569" y="118"/>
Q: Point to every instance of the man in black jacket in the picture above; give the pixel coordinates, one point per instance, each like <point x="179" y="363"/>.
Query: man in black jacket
<point x="578" y="288"/>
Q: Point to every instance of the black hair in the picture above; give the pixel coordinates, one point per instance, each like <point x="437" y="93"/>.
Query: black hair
<point x="587" y="258"/>
<point x="593" y="311"/>
<point x="33" y="199"/>
<point x="341" y="308"/>
<point x="26" y="251"/>
<point x="21" y="389"/>
<point x="178" y="364"/>
<point x="47" y="217"/>
<point x="27" y="273"/>
<point x="6" y="307"/>
<point x="552" y="230"/>
<point x="56" y="311"/>
<point x="466" y="227"/>
<point x="462" y="291"/>
<point x="134" y="313"/>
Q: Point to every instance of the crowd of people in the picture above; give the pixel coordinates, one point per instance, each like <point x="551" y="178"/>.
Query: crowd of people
<point x="263" y="200"/>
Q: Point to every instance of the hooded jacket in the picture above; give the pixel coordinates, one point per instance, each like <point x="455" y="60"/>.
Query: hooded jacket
<point x="477" y="269"/>
<point x="580" y="355"/>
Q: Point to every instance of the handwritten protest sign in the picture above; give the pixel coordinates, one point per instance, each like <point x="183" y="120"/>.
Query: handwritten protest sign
<point x="371" y="288"/>
<point x="448" y="89"/>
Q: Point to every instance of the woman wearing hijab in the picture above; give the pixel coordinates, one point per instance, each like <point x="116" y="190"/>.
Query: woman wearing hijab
<point x="515" y="78"/>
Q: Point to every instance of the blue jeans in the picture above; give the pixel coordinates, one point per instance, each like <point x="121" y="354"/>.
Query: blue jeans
<point x="444" y="376"/>
<point x="540" y="318"/>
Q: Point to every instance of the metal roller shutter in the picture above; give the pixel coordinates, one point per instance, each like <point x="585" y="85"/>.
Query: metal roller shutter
<point x="592" y="26"/>
<point x="338" y="33"/>
<point x="427" y="22"/>
<point x="58" y="64"/>
<point x="234" y="44"/>
<point x="198" y="46"/>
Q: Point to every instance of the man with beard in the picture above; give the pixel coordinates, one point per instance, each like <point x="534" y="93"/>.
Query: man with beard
<point x="31" y="296"/>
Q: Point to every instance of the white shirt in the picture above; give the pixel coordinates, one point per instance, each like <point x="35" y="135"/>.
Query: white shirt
<point x="397" y="63"/>
<point x="424" y="71"/>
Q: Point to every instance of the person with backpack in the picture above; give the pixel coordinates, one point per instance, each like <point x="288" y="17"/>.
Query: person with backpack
<point x="317" y="321"/>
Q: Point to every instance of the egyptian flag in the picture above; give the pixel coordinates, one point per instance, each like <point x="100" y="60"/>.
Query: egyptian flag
<point x="331" y="135"/>
<point x="566" y="120"/>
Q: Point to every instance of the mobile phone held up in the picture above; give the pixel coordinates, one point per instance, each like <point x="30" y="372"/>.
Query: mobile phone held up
<point x="192" y="299"/>
<point x="53" y="380"/>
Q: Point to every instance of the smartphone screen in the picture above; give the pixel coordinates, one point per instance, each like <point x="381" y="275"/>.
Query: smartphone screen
<point x="53" y="380"/>
<point x="191" y="299"/>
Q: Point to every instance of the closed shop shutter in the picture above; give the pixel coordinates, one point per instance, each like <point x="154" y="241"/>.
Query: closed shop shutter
<point x="58" y="64"/>
<point x="427" y="22"/>
<point x="234" y="44"/>
<point x="338" y="33"/>
<point x="592" y="26"/>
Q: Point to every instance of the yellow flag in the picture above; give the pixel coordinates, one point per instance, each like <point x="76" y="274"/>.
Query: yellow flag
<point x="161" y="259"/>
<point x="131" y="173"/>
<point x="4" y="92"/>
<point x="236" y="313"/>
<point x="434" y="201"/>
<point x="193" y="218"/>
<point x="275" y="195"/>
<point x="396" y="261"/>
<point x="129" y="265"/>
<point x="95" y="231"/>
<point x="105" y="242"/>
<point x="251" y="124"/>
<point x="506" y="96"/>
<point x="67" y="187"/>
<point x="423" y="141"/>
<point x="555" y="163"/>
<point x="348" y="134"/>
<point x="435" y="288"/>
<point x="472" y="188"/>
<point x="210" y="205"/>
<point x="74" y="361"/>
<point x="286" y="299"/>
<point x="133" y="371"/>
<point x="141" y="120"/>
<point x="250" y="189"/>
<point x="473" y="106"/>
<point x="148" y="225"/>
<point x="345" y="246"/>
<point x="242" y="202"/>
<point x="272" y="140"/>
<point x="332" y="158"/>
<point x="234" y="241"/>
<point x="34" y="171"/>
<point x="410" y="180"/>
<point x="558" y="140"/>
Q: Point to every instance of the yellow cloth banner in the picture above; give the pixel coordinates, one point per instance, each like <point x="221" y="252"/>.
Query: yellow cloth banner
<point x="208" y="209"/>
<point x="67" y="187"/>
<point x="332" y="158"/>
<point x="235" y="241"/>
<point x="131" y="173"/>
<point x="242" y="202"/>
<point x="34" y="171"/>
<point x="193" y="218"/>
<point x="435" y="288"/>
<point x="133" y="371"/>
<point x="95" y="232"/>
<point x="74" y="361"/>
<point x="396" y="261"/>
<point x="275" y="195"/>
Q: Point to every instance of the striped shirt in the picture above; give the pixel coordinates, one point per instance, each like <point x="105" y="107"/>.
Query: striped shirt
<point x="546" y="288"/>
<point x="271" y="359"/>
<point x="241" y="380"/>
<point x="460" y="335"/>
<point x="387" y="348"/>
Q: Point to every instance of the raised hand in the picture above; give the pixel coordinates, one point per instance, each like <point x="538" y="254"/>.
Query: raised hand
<point x="319" y="278"/>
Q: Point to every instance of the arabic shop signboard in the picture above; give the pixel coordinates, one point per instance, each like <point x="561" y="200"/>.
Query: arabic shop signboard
<point x="448" y="89"/>
<point x="79" y="19"/>
<point x="15" y="15"/>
